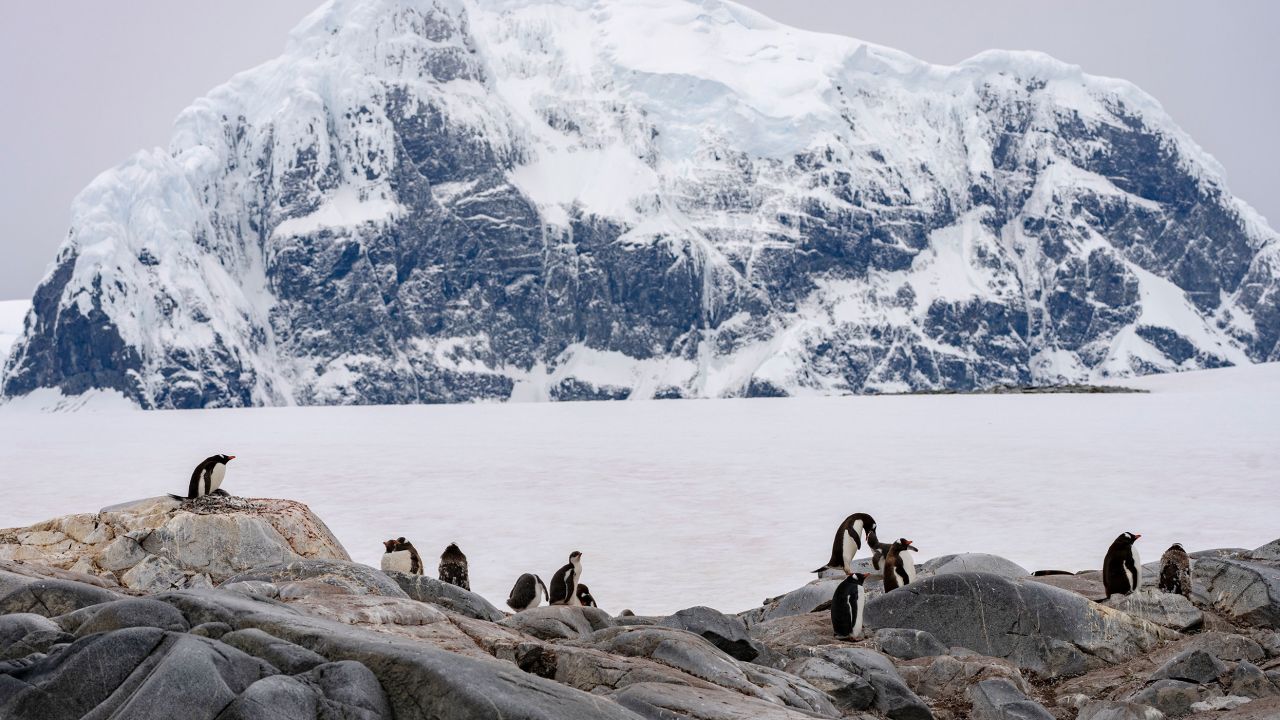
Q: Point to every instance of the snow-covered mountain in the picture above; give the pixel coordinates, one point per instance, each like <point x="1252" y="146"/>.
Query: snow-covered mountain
<point x="456" y="200"/>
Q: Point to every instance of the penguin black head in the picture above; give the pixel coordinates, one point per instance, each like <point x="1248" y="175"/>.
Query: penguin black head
<point x="904" y="544"/>
<point x="575" y="555"/>
<point x="859" y="577"/>
<point x="1177" y="546"/>
<point x="395" y="544"/>
<point x="1128" y="538"/>
<point x="224" y="459"/>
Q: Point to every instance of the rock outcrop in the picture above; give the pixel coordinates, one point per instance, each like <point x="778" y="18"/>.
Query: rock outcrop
<point x="324" y="637"/>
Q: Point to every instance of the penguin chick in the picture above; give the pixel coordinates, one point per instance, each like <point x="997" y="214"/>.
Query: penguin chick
<point x="899" y="567"/>
<point x="584" y="596"/>
<point x="847" y="542"/>
<point x="846" y="607"/>
<point x="1175" y="571"/>
<point x="1121" y="567"/>
<point x="401" y="556"/>
<point x="878" y="549"/>
<point x="527" y="593"/>
<point x="564" y="584"/>
<point x="453" y="567"/>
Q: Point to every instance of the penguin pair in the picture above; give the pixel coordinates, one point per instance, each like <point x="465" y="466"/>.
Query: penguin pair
<point x="1122" y="568"/>
<point x="529" y="592"/>
<point x="402" y="556"/>
<point x="206" y="479"/>
<point x="566" y="581"/>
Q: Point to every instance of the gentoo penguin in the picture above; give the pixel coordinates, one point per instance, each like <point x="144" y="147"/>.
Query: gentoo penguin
<point x="453" y="567"/>
<point x="899" y="566"/>
<point x="878" y="549"/>
<point x="401" y="556"/>
<point x="1175" y="571"/>
<point x="528" y="592"/>
<point x="846" y="607"/>
<point x="564" y="584"/>
<point x="847" y="542"/>
<point x="206" y="479"/>
<point x="1121" y="568"/>
<point x="584" y="596"/>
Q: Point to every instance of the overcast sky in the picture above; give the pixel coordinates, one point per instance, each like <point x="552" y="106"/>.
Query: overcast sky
<point x="85" y="83"/>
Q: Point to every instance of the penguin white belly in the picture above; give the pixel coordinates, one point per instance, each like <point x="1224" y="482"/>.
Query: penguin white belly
<point x="1137" y="569"/>
<point x="857" y="618"/>
<point x="215" y="476"/>
<point x="399" y="561"/>
<point x="574" y="581"/>
<point x="908" y="565"/>
<point x="850" y="545"/>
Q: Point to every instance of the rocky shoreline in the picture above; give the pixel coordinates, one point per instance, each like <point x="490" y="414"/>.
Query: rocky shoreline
<point x="237" y="608"/>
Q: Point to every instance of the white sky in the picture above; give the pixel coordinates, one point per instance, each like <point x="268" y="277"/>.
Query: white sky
<point x="86" y="83"/>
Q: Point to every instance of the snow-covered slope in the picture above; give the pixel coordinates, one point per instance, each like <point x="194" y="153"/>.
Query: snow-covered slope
<point x="12" y="313"/>
<point x="454" y="200"/>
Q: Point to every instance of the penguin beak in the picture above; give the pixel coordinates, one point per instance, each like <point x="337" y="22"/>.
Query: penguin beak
<point x="230" y="458"/>
<point x="1137" y="535"/>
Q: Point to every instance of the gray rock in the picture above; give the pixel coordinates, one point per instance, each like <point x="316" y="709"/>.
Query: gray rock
<point x="36" y="642"/>
<point x="290" y="659"/>
<point x="132" y="673"/>
<point x="724" y="631"/>
<point x="449" y="597"/>
<point x="132" y="612"/>
<point x="52" y="598"/>
<point x="908" y="644"/>
<point x="974" y="563"/>
<point x="667" y="701"/>
<point x="949" y="676"/>
<point x="1247" y="680"/>
<point x="1247" y="591"/>
<point x="797" y="602"/>
<point x="1270" y="551"/>
<point x="1150" y="604"/>
<point x="344" y="575"/>
<point x="16" y="626"/>
<point x="999" y="699"/>
<point x="121" y="554"/>
<point x="345" y="690"/>
<point x="1228" y="646"/>
<point x="791" y="690"/>
<point x="212" y="630"/>
<point x="678" y="649"/>
<point x="559" y="622"/>
<point x="1115" y="710"/>
<point x="1195" y="666"/>
<point x="1271" y="644"/>
<point x="1173" y="697"/>
<point x="893" y="697"/>
<point x="1217" y="704"/>
<point x="155" y="574"/>
<point x="1050" y="631"/>
<point x="849" y="690"/>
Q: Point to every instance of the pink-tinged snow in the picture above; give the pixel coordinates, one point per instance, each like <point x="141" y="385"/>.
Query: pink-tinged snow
<point x="719" y="502"/>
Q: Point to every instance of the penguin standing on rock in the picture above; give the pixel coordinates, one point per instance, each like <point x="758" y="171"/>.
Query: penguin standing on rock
<point x="564" y="584"/>
<point x="899" y="567"/>
<point x="584" y="596"/>
<point x="453" y="567"/>
<point x="1175" y="571"/>
<point x="847" y="605"/>
<point x="527" y="593"/>
<point x="206" y="479"/>
<point x="401" y="556"/>
<point x="1121" y="568"/>
<point x="847" y="542"/>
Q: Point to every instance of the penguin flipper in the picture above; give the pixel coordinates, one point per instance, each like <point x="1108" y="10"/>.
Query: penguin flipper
<point x="824" y="568"/>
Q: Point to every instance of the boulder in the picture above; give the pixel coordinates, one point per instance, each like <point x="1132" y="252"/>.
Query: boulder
<point x="1218" y="704"/>
<point x="288" y="658"/>
<point x="343" y="576"/>
<point x="1245" y="590"/>
<point x="1229" y="647"/>
<point x="1047" y="630"/>
<point x="345" y="690"/>
<point x="893" y="697"/>
<point x="797" y="602"/>
<point x="1269" y="552"/>
<point x="559" y="622"/>
<point x="908" y="644"/>
<point x="974" y="563"/>
<point x="1162" y="608"/>
<point x="1115" y="710"/>
<point x="1173" y="697"/>
<point x="663" y="701"/>
<point x="678" y="649"/>
<point x="999" y="699"/>
<point x="1194" y="665"/>
<point x="130" y="612"/>
<point x="947" y="676"/>
<point x="1248" y="680"/>
<point x="161" y="543"/>
<point x="52" y="598"/>
<point x="850" y="691"/>
<point x="450" y="597"/>
<point x="726" y="632"/>
<point x="785" y="635"/>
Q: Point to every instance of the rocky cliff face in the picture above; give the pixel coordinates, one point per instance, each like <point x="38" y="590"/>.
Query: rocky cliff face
<point x="439" y="201"/>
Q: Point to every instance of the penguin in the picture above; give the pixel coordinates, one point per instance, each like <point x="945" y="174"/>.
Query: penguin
<point x="584" y="597"/>
<point x="847" y="605"/>
<point x="564" y="584"/>
<point x="899" y="567"/>
<point x="878" y="549"/>
<point x="401" y="556"/>
<point x="206" y="479"/>
<point x="453" y="567"/>
<point x="527" y="593"/>
<point x="847" y="542"/>
<point x="1175" y="571"/>
<point x="1122" y="568"/>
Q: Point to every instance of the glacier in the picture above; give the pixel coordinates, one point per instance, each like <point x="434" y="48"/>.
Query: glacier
<point x="428" y="201"/>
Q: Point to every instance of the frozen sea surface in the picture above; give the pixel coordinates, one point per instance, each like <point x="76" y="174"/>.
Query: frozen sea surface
<point x="715" y="502"/>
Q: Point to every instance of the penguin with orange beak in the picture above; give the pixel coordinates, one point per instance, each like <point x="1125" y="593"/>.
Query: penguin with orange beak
<point x="1121" y="567"/>
<point x="899" y="566"/>
<point x="206" y="479"/>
